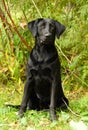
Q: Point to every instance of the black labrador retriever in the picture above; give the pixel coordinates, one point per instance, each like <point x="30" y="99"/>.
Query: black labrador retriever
<point x="43" y="87"/>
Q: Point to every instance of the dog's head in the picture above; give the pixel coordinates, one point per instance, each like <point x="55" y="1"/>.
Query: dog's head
<point x="45" y="30"/>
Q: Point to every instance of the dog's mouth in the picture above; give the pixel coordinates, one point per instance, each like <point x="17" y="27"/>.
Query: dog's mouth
<point x="45" y="39"/>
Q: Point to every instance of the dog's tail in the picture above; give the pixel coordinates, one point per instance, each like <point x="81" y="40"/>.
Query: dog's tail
<point x="13" y="106"/>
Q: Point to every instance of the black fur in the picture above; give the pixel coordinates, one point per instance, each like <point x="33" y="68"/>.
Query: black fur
<point x="43" y="87"/>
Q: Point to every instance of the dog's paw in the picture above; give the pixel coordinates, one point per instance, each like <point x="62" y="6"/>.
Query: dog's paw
<point x="20" y="114"/>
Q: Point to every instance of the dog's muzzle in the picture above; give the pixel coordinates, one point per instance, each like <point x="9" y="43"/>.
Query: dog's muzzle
<point x="45" y="39"/>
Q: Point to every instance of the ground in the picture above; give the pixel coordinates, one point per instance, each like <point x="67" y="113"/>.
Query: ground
<point x="77" y="112"/>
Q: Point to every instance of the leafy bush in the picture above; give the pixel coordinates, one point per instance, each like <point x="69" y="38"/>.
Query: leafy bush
<point x="72" y="46"/>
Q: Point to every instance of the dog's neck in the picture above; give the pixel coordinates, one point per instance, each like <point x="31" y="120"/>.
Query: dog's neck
<point x="44" y="53"/>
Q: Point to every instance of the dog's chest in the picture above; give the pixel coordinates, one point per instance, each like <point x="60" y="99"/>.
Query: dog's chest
<point x="42" y="63"/>
<point x="42" y="88"/>
<point x="41" y="54"/>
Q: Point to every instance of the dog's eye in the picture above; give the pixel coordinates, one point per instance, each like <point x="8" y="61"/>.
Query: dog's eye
<point x="43" y="25"/>
<point x="51" y="27"/>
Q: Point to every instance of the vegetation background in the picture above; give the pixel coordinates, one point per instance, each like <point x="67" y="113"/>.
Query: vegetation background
<point x="15" y="45"/>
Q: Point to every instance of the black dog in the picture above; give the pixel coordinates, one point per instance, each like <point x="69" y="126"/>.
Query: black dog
<point x="43" y="87"/>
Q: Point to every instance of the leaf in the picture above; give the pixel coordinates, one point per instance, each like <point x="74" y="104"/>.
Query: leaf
<point x="23" y="24"/>
<point x="85" y="113"/>
<point x="3" y="70"/>
<point x="74" y="62"/>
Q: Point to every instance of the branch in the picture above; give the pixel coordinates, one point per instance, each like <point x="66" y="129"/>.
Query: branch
<point x="77" y="115"/>
<point x="14" y="27"/>
<point x="37" y="8"/>
<point x="69" y="62"/>
<point x="4" y="25"/>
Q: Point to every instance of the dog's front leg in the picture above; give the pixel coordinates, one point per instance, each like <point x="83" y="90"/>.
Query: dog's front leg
<point x="53" y="102"/>
<point x="26" y="95"/>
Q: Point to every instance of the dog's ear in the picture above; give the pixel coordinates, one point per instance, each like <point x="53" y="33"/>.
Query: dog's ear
<point x="33" y="27"/>
<point x="59" y="28"/>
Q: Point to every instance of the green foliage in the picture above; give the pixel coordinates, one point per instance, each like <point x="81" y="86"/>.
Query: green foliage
<point x="81" y="105"/>
<point x="73" y="44"/>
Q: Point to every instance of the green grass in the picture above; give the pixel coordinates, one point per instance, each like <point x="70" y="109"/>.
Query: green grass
<point x="39" y="120"/>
